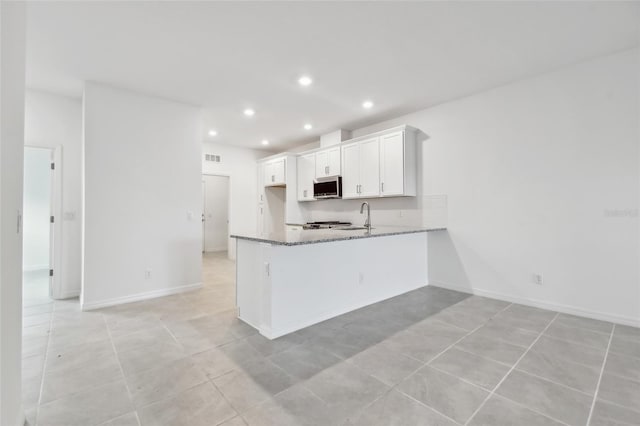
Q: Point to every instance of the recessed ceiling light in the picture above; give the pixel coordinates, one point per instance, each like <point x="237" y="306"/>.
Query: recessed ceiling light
<point x="308" y="126"/>
<point x="305" y="80"/>
<point x="212" y="133"/>
<point x="249" y="112"/>
<point x="265" y="142"/>
<point x="367" y="104"/>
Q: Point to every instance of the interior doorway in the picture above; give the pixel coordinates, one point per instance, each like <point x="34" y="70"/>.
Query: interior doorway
<point x="41" y="201"/>
<point x="215" y="215"/>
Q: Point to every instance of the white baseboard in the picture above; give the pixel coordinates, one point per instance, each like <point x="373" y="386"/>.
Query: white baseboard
<point x="565" y="309"/>
<point x="68" y="295"/>
<point x="32" y="268"/>
<point x="140" y="296"/>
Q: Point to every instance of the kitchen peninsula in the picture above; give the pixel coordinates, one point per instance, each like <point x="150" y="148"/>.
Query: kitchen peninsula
<point x="289" y="280"/>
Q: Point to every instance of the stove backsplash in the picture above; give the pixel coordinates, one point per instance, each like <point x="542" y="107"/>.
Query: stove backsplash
<point x="427" y="211"/>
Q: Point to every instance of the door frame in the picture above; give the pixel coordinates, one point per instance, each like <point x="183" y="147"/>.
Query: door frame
<point x="229" y="198"/>
<point x="55" y="228"/>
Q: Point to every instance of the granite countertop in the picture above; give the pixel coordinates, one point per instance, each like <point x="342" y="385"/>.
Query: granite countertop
<point x="291" y="237"/>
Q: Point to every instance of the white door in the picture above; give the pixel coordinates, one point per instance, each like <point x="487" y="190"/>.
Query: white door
<point x="333" y="161"/>
<point x="42" y="222"/>
<point x="369" y="168"/>
<point x="306" y="173"/>
<point x="216" y="213"/>
<point x="321" y="164"/>
<point x="202" y="215"/>
<point x="392" y="164"/>
<point x="351" y="171"/>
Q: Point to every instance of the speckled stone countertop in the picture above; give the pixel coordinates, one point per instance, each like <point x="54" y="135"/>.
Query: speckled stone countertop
<point x="291" y="237"/>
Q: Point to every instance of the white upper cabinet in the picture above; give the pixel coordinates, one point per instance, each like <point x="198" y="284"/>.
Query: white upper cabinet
<point x="382" y="165"/>
<point x="351" y="171"/>
<point x="328" y="162"/>
<point x="361" y="169"/>
<point x="261" y="175"/>
<point x="369" y="168"/>
<point x="398" y="163"/>
<point x="392" y="164"/>
<point x="274" y="172"/>
<point x="306" y="174"/>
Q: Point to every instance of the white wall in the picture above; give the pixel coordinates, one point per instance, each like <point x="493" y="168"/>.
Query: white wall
<point x="216" y="210"/>
<point x="541" y="175"/>
<point x="142" y="196"/>
<point x="12" y="77"/>
<point x="37" y="208"/>
<point x="240" y="165"/>
<point x="56" y="121"/>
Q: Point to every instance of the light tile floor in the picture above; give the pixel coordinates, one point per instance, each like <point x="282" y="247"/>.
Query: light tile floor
<point x="430" y="357"/>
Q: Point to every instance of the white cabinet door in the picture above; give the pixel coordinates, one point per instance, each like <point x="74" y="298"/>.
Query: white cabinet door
<point x="279" y="172"/>
<point x="328" y="162"/>
<point x="306" y="173"/>
<point x="274" y="173"/>
<point x="392" y="164"/>
<point x="261" y="219"/>
<point x="351" y="171"/>
<point x="322" y="164"/>
<point x="369" y="168"/>
<point x="333" y="161"/>
<point x="269" y="175"/>
<point x="261" y="175"/>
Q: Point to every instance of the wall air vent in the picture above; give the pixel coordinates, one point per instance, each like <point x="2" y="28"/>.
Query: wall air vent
<point x="213" y="158"/>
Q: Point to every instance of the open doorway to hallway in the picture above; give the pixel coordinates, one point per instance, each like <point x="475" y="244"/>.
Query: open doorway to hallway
<point x="215" y="214"/>
<point x="218" y="271"/>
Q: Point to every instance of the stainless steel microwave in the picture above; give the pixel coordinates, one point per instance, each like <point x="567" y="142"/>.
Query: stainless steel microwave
<point x="330" y="187"/>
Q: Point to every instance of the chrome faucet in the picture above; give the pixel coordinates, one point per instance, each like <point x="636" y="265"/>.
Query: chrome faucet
<point x="367" y="223"/>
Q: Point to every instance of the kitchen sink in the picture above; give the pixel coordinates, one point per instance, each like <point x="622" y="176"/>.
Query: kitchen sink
<point x="353" y="228"/>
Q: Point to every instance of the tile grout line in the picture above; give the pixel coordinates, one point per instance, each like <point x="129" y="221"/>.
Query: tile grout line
<point x="44" y="365"/>
<point x="239" y="414"/>
<point x="573" y="342"/>
<point x="509" y="372"/>
<point x="506" y="364"/>
<point x="510" y="400"/>
<point x="124" y="377"/>
<point x="604" y="363"/>
<point x="519" y="404"/>
<point x="424" y="364"/>
<point x="617" y="404"/>
<point x="551" y="381"/>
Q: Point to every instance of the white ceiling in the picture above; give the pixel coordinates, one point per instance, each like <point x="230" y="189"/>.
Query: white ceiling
<point x="233" y="55"/>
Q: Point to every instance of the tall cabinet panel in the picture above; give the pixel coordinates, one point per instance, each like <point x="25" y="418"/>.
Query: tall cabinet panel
<point x="392" y="170"/>
<point x="369" y="168"/>
<point x="306" y="174"/>
<point x="351" y="171"/>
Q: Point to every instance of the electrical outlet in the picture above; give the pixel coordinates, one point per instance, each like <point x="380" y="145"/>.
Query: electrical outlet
<point x="147" y="273"/>
<point x="537" y="279"/>
<point x="361" y="278"/>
